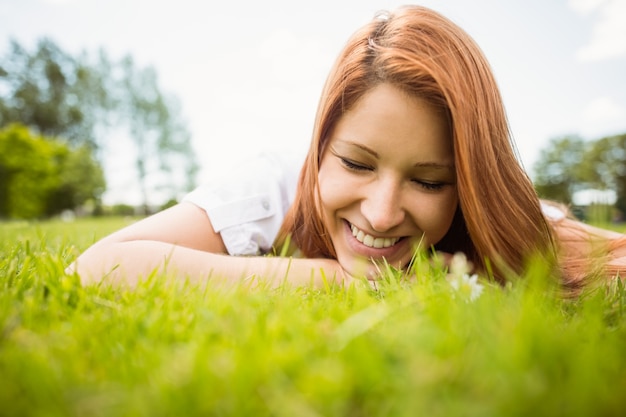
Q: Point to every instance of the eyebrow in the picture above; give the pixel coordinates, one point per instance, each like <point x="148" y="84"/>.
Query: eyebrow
<point x="363" y="147"/>
<point x="434" y="165"/>
<point x="429" y="165"/>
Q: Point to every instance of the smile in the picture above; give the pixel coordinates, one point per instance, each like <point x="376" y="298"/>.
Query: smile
<point x="371" y="241"/>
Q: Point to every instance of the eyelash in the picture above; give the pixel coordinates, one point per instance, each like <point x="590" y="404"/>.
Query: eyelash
<point x="353" y="166"/>
<point x="431" y="186"/>
<point x="428" y="186"/>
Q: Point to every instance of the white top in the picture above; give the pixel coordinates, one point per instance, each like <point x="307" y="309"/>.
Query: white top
<point x="552" y="212"/>
<point x="247" y="207"/>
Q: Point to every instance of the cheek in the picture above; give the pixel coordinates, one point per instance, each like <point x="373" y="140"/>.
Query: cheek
<point x="330" y="197"/>
<point x="436" y="217"/>
<point x="334" y="189"/>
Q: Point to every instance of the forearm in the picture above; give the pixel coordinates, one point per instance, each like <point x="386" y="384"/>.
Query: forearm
<point x="131" y="261"/>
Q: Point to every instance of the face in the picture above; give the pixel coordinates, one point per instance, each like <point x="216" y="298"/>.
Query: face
<point x="387" y="180"/>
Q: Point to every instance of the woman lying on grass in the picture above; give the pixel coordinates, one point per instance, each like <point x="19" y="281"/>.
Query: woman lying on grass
<point x="411" y="148"/>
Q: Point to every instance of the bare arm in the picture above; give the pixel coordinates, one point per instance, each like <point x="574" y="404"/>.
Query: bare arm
<point x="585" y="247"/>
<point x="181" y="241"/>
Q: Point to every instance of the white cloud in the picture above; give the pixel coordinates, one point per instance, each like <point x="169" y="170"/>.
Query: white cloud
<point x="265" y="106"/>
<point x="291" y="59"/>
<point x="585" y="6"/>
<point x="58" y="2"/>
<point x="608" y="37"/>
<point x="602" y="116"/>
<point x="603" y="110"/>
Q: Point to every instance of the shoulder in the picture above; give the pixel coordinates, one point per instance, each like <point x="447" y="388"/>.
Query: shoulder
<point x="247" y="205"/>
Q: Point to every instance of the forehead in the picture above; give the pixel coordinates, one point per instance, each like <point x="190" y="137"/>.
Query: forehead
<point x="394" y="122"/>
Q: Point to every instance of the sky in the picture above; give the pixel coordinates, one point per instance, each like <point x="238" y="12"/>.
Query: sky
<point x="249" y="73"/>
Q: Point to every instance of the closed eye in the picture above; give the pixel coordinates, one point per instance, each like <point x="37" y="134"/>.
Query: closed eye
<point x="430" y="186"/>
<point x="353" y="166"/>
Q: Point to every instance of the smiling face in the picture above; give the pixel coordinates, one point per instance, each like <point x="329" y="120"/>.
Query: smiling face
<point x="387" y="180"/>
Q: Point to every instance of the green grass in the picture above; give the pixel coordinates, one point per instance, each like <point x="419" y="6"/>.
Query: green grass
<point x="413" y="348"/>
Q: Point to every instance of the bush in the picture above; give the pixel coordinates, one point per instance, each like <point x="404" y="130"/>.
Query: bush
<point x="122" y="210"/>
<point x="42" y="176"/>
<point x="169" y="203"/>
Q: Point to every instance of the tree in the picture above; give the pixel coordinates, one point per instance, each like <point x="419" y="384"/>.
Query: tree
<point x="80" y="179"/>
<point x="41" y="176"/>
<point x="606" y="166"/>
<point x="79" y="99"/>
<point x="559" y="171"/>
<point x="53" y="93"/>
<point x="161" y="140"/>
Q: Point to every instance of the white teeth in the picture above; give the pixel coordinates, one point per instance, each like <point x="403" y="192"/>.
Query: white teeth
<point x="371" y="241"/>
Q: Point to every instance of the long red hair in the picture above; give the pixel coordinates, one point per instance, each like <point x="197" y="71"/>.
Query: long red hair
<point x="499" y="224"/>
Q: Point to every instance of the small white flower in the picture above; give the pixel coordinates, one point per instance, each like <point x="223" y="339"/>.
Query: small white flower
<point x="466" y="286"/>
<point x="459" y="265"/>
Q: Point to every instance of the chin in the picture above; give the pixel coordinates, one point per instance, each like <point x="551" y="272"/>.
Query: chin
<point x="368" y="268"/>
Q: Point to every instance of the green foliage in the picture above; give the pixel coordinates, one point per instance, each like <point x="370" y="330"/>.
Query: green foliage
<point x="53" y="92"/>
<point x="161" y="140"/>
<point x="122" y="210"/>
<point x="412" y="347"/>
<point x="80" y="179"/>
<point x="28" y="171"/>
<point x="607" y="161"/>
<point x="169" y="203"/>
<point x="569" y="164"/>
<point x="557" y="171"/>
<point x="89" y="101"/>
<point x="41" y="176"/>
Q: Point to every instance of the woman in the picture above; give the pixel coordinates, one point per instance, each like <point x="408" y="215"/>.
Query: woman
<point x="411" y="148"/>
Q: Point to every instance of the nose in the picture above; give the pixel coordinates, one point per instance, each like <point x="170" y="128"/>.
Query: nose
<point x="382" y="207"/>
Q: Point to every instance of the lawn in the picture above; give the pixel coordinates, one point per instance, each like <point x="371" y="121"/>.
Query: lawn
<point x="414" y="347"/>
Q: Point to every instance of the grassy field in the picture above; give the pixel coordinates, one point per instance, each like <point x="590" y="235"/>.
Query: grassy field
<point x="415" y="347"/>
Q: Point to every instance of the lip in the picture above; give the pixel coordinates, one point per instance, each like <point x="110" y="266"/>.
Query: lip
<point x="376" y="253"/>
